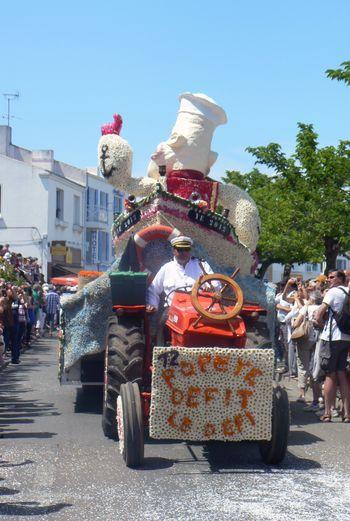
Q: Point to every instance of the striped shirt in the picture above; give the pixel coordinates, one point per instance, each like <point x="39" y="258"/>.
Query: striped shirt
<point x="52" y="302"/>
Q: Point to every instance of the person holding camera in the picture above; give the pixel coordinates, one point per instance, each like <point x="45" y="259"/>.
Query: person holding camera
<point x="335" y="345"/>
<point x="286" y="311"/>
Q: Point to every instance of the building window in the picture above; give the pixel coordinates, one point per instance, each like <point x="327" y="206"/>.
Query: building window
<point x="312" y="267"/>
<point x="341" y="264"/>
<point x="97" y="206"/>
<point x="59" y="204"/>
<point x="76" y="209"/>
<point x="91" y="247"/>
<point x="103" y="210"/>
<point x="117" y="203"/>
<point x="92" y="204"/>
<point x="103" y="246"/>
<point x="103" y="201"/>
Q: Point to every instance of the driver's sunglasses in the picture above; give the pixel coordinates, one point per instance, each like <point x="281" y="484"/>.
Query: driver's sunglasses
<point x="331" y="277"/>
<point x="182" y="249"/>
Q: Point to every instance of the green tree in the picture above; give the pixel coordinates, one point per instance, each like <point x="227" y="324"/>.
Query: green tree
<point x="304" y="206"/>
<point x="340" y="74"/>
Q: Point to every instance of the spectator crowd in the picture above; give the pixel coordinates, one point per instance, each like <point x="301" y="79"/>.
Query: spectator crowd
<point x="29" y="308"/>
<point x="313" y="342"/>
<point x="15" y="267"/>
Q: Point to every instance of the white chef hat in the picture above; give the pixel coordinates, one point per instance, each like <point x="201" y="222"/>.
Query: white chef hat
<point x="202" y="105"/>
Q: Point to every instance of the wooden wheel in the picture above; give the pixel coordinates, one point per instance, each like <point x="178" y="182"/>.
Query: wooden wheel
<point x="218" y="297"/>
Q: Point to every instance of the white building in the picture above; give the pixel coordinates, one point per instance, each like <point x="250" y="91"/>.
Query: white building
<point x="306" y="271"/>
<point x="54" y="211"/>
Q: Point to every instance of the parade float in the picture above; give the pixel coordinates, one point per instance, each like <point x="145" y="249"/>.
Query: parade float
<point x="214" y="378"/>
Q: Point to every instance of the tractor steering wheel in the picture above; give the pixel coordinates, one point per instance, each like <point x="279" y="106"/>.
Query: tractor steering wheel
<point x="217" y="297"/>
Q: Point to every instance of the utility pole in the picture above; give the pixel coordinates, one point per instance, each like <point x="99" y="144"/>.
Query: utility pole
<point x="10" y="96"/>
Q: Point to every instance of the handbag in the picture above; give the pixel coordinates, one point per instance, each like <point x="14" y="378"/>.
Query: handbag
<point x="303" y="330"/>
<point x="325" y="355"/>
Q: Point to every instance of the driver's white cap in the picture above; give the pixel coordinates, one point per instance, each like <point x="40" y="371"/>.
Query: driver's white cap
<point x="181" y="242"/>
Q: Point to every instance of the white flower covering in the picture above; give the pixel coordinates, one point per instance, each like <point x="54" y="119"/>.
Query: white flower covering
<point x="220" y="250"/>
<point x="188" y="146"/>
<point x="211" y="393"/>
<point x="244" y="215"/>
<point x="118" y="164"/>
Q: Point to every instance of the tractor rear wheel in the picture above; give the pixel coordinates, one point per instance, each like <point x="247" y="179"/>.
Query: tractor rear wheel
<point x="273" y="451"/>
<point x="123" y="363"/>
<point x="130" y="424"/>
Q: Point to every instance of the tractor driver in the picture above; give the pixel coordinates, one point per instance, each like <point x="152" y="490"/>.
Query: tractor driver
<point x="182" y="272"/>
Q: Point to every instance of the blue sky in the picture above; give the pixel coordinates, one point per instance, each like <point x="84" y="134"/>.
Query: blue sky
<point x="76" y="63"/>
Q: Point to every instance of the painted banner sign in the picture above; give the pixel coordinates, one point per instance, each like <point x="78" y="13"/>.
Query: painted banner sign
<point x="211" y="393"/>
<point x="128" y="222"/>
<point x="209" y="221"/>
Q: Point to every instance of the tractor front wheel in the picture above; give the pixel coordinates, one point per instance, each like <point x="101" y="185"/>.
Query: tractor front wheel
<point x="273" y="451"/>
<point x="130" y="424"/>
<point x="123" y="363"/>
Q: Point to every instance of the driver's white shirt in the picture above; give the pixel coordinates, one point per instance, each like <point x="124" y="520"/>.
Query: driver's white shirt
<point x="172" y="276"/>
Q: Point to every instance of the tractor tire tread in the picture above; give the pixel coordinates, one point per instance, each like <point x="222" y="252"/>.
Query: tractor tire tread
<point x="125" y="344"/>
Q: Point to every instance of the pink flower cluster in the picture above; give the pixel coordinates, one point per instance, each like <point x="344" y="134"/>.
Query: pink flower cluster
<point x="113" y="128"/>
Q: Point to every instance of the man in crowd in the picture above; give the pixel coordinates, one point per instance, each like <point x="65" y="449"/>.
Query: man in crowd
<point x="52" y="306"/>
<point x="335" y="344"/>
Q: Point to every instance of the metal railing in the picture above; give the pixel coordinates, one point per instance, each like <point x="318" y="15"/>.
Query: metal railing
<point x="97" y="214"/>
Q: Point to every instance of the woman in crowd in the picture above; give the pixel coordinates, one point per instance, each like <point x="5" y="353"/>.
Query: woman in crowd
<point x="292" y="294"/>
<point x="39" y="303"/>
<point x="9" y="331"/>
<point x="286" y="305"/>
<point x="305" y="345"/>
<point x="31" y="314"/>
<point x="16" y="339"/>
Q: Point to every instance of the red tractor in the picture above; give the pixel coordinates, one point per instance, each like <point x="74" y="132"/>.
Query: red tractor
<point x="211" y="323"/>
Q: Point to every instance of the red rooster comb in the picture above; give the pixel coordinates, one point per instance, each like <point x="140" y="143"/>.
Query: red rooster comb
<point x="113" y="128"/>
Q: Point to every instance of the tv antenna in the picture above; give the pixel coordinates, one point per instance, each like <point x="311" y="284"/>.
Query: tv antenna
<point x="10" y="96"/>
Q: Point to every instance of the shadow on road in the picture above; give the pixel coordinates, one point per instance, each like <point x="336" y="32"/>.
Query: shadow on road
<point x="300" y="417"/>
<point x="89" y="400"/>
<point x="302" y="438"/>
<point x="29" y="508"/>
<point x="6" y="464"/>
<point x="39" y="434"/>
<point x="15" y="409"/>
<point x="227" y="458"/>
<point x="156" y="463"/>
<point x="245" y="457"/>
<point x="6" y="491"/>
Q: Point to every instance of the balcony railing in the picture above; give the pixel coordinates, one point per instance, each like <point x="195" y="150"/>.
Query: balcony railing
<point x="97" y="214"/>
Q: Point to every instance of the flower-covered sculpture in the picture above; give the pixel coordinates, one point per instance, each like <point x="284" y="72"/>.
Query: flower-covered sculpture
<point x="188" y="157"/>
<point x="115" y="161"/>
<point x="189" y="145"/>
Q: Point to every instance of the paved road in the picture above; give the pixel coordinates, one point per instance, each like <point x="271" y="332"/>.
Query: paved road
<point x="55" y="463"/>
